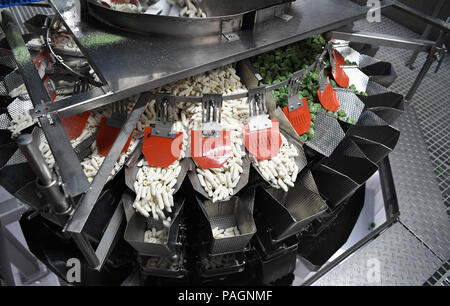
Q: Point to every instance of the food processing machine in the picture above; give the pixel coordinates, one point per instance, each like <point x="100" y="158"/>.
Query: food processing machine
<point x="129" y="54"/>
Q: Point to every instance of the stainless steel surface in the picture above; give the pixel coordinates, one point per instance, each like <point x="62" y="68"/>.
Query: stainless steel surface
<point x="328" y="134"/>
<point x="238" y="211"/>
<point x="167" y="59"/>
<point x="137" y="225"/>
<point x="434" y="48"/>
<point x="441" y="277"/>
<point x="110" y="236"/>
<point x="376" y="211"/>
<point x="375" y="142"/>
<point x="82" y="212"/>
<point x="75" y="182"/>
<point x="350" y="103"/>
<point x="420" y="201"/>
<point x="34" y="157"/>
<point x="230" y="7"/>
<point x="171" y="23"/>
<point x="86" y="249"/>
<point x="396" y="256"/>
<point x="294" y="210"/>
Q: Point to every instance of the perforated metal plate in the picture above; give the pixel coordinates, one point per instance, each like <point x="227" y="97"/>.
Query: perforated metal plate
<point x="19" y="106"/>
<point x="350" y="103"/>
<point x="366" y="60"/>
<point x="4" y="121"/>
<point x="328" y="134"/>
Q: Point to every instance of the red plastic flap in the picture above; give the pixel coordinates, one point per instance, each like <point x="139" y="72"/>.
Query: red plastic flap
<point x="210" y="152"/>
<point x="74" y="125"/>
<point x="161" y="151"/>
<point x="328" y="98"/>
<point x="105" y="137"/>
<point x="338" y="73"/>
<point x="263" y="144"/>
<point x="299" y="118"/>
<point x="340" y="60"/>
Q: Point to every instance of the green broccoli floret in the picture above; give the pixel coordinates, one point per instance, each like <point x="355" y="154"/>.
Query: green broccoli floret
<point x="304" y="137"/>
<point x="310" y="133"/>
<point x="342" y="113"/>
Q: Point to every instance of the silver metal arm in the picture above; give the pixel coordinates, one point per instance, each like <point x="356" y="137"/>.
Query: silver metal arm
<point x="47" y="182"/>
<point x="385" y="40"/>
<point x="434" y="49"/>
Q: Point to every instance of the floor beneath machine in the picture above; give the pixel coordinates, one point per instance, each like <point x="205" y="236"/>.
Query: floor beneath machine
<point x="418" y="245"/>
<point x="412" y="250"/>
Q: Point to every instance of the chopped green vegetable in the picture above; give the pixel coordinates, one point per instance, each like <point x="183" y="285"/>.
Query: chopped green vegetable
<point x="278" y="65"/>
<point x="310" y="133"/>
<point x="98" y="39"/>
<point x="342" y="113"/>
<point x="22" y="55"/>
<point x="304" y="138"/>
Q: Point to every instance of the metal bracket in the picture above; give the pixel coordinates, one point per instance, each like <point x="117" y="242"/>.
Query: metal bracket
<point x="165" y="116"/>
<point x="418" y="45"/>
<point x="385" y="40"/>
<point x="440" y="55"/>
<point x="228" y="30"/>
<point x="259" y="119"/>
<point x="285" y="17"/>
<point x="211" y="115"/>
<point x="293" y="87"/>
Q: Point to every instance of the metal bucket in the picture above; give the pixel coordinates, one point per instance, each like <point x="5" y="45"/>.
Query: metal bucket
<point x="238" y="211"/>
<point x="137" y="225"/>
<point x="376" y="142"/>
<point x="290" y="212"/>
<point x="179" y="260"/>
<point x="388" y="106"/>
<point x="179" y="272"/>
<point x="275" y="261"/>
<point x="169" y="23"/>
<point x="231" y="7"/>
<point x="381" y="72"/>
<point x="339" y="175"/>
<point x="205" y="272"/>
